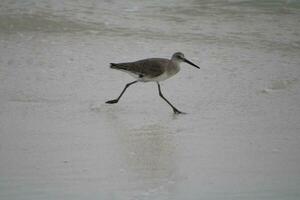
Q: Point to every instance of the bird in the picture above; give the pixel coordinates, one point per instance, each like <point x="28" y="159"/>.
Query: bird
<point x="152" y="70"/>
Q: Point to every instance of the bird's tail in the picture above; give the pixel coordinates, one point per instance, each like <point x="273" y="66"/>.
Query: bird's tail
<point x="118" y="66"/>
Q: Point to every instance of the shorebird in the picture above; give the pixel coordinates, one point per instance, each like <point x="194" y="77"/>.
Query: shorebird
<point x="152" y="69"/>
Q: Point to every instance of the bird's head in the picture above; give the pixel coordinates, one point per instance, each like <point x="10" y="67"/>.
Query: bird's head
<point x="179" y="57"/>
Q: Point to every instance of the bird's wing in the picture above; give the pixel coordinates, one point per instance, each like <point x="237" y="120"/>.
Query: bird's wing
<point x="151" y="67"/>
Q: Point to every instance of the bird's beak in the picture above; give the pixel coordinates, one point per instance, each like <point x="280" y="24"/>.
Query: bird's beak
<point x="189" y="62"/>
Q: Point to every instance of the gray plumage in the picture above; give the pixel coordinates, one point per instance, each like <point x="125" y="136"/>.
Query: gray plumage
<point x="152" y="69"/>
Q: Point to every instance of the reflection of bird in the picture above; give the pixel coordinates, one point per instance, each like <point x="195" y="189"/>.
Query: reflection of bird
<point x="152" y="69"/>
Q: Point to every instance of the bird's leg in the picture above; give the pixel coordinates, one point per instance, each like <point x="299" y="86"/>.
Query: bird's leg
<point x="117" y="99"/>
<point x="176" y="111"/>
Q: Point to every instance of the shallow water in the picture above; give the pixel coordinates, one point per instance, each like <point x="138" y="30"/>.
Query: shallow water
<point x="239" y="140"/>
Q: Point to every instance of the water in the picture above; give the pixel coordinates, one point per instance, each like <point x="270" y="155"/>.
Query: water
<point x="239" y="140"/>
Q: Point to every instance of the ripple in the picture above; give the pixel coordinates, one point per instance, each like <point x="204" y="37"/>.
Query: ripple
<point x="283" y="84"/>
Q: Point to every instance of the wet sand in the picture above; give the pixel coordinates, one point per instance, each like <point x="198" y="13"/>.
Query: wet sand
<point x="239" y="140"/>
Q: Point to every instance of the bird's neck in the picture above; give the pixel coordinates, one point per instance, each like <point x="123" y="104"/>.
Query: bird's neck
<point x="175" y="69"/>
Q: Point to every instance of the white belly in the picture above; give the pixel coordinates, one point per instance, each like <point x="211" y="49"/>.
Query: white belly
<point x="162" y="77"/>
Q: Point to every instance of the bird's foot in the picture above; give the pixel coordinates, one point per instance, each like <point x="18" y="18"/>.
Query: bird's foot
<point x="177" y="111"/>
<point x="112" y="101"/>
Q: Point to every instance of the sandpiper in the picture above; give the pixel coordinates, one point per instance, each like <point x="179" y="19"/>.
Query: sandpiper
<point x="152" y="69"/>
